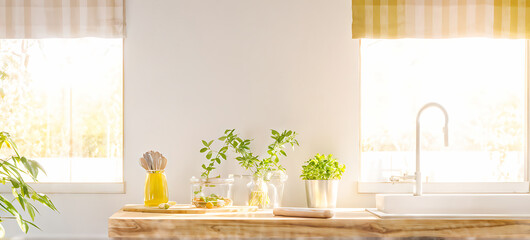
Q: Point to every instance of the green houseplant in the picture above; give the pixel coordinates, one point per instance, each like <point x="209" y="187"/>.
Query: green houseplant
<point x="213" y="191"/>
<point x="13" y="169"/>
<point x="263" y="169"/>
<point x="322" y="174"/>
<point x="322" y="167"/>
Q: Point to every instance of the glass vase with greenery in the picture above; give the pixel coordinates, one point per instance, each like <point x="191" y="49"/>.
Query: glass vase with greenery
<point x="212" y="191"/>
<point x="262" y="168"/>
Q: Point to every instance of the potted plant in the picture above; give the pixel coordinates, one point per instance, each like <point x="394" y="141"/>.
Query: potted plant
<point x="322" y="174"/>
<point x="13" y="169"/>
<point x="266" y="170"/>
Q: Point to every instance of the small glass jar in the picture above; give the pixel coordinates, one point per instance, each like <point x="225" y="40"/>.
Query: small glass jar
<point x="240" y="193"/>
<point x="259" y="193"/>
<point x="155" y="188"/>
<point x="212" y="192"/>
<point x="277" y="181"/>
<point x="266" y="191"/>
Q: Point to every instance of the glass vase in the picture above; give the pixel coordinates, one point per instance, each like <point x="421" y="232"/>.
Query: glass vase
<point x="155" y="191"/>
<point x="240" y="192"/>
<point x="266" y="191"/>
<point x="259" y="193"/>
<point x="276" y="185"/>
<point x="211" y="192"/>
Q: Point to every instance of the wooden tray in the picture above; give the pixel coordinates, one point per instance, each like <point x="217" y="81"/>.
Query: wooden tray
<point x="187" y="209"/>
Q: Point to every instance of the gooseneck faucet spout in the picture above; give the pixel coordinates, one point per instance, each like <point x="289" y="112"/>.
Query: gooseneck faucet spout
<point x="418" y="191"/>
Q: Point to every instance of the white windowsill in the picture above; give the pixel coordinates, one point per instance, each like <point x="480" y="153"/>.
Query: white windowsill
<point x="65" y="188"/>
<point x="474" y="187"/>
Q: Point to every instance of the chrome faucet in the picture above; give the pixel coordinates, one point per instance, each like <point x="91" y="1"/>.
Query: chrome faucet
<point x="418" y="191"/>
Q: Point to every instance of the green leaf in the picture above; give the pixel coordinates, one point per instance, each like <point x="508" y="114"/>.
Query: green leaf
<point x="210" y="143"/>
<point x="223" y="155"/>
<point x="223" y="149"/>
<point x="322" y="167"/>
<point x="24" y="190"/>
<point x="37" y="165"/>
<point x="22" y="224"/>
<point x="21" y="202"/>
<point x="11" y="209"/>
<point x="204" y="143"/>
<point x="218" y="160"/>
<point x="274" y="132"/>
<point x="209" y="155"/>
<point x="31" y="211"/>
<point x="32" y="224"/>
<point x="33" y="171"/>
<point x="46" y="201"/>
<point x="204" y="149"/>
<point x="222" y="138"/>
<point x="14" y="182"/>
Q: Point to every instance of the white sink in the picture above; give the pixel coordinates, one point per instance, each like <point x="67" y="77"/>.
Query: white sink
<point x="453" y="205"/>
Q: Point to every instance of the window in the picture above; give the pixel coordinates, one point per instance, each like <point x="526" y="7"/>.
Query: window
<point x="483" y="85"/>
<point x="63" y="104"/>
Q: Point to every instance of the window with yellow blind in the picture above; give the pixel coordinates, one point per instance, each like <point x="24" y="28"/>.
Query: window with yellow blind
<point x="469" y="56"/>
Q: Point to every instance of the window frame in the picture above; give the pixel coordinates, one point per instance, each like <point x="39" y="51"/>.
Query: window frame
<point x="73" y="187"/>
<point x="452" y="187"/>
<point x="88" y="187"/>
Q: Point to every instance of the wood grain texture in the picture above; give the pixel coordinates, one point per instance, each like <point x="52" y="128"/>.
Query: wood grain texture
<point x="303" y="212"/>
<point x="186" y="209"/>
<point x="347" y="223"/>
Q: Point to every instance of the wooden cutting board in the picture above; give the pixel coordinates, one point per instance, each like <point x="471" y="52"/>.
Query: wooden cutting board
<point x="187" y="209"/>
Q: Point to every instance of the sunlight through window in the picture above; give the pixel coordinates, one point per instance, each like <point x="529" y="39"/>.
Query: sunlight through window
<point x="64" y="104"/>
<point x="481" y="83"/>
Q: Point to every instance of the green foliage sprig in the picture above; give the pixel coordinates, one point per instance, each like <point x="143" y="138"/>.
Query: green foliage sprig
<point x="229" y="139"/>
<point x="322" y="167"/>
<point x="12" y="170"/>
<point x="259" y="167"/>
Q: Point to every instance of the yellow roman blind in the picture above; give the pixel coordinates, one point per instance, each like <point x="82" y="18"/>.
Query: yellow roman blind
<point x="61" y="18"/>
<point x="390" y="19"/>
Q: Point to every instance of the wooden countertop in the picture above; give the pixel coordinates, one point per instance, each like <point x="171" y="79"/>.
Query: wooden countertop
<point x="346" y="223"/>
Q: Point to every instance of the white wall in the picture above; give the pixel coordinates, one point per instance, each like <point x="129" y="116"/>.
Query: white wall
<point x="196" y="67"/>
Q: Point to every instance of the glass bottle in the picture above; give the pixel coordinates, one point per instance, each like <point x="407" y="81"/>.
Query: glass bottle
<point x="259" y="192"/>
<point x="155" y="188"/>
<point x="266" y="191"/>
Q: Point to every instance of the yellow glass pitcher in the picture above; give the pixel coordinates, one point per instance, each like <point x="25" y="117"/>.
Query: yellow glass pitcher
<point x="155" y="188"/>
